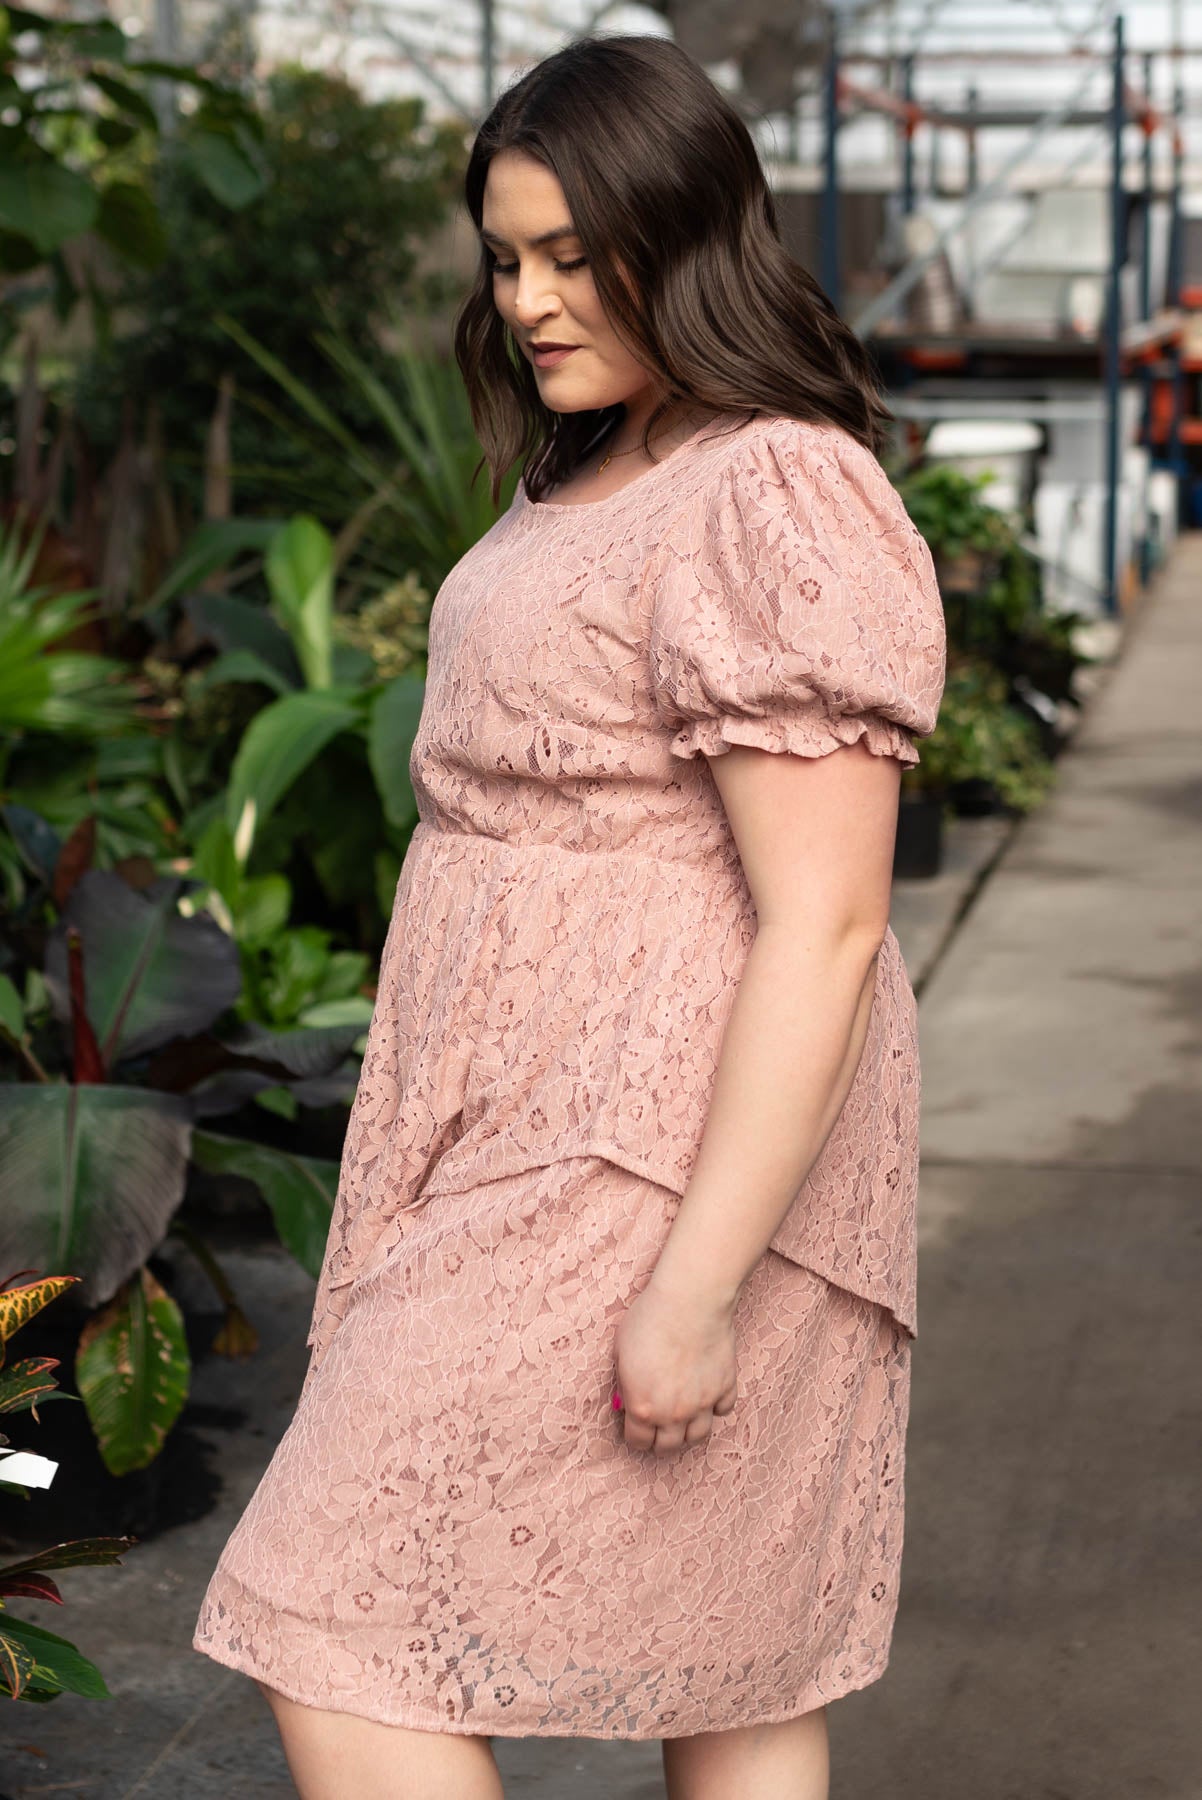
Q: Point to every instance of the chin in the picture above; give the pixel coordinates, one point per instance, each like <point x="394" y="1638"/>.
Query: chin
<point x="573" y="403"/>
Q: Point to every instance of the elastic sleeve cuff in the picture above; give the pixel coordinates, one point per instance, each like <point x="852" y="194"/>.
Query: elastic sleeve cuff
<point x="803" y="733"/>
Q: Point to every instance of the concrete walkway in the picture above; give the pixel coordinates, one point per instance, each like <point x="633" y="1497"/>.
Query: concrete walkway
<point x="1049" y="1636"/>
<point x="1047" y="1641"/>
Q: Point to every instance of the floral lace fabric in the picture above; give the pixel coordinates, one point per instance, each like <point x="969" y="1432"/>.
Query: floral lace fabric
<point x="452" y="1535"/>
<point x="572" y="917"/>
<point x="566" y="941"/>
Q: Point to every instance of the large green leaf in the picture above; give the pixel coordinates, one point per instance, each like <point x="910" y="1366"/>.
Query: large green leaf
<point x="128" y="220"/>
<point x="300" y="1190"/>
<point x="89" y="1178"/>
<point x="132" y="1369"/>
<point x="303" y="1054"/>
<point x="212" y="546"/>
<point x="39" y="844"/>
<point x="12" y="1011"/>
<point x="279" y="745"/>
<point x="244" y="665"/>
<point x="45" y="202"/>
<point x="395" y="715"/>
<point x="150" y="975"/>
<point x="310" y="1062"/>
<point x="237" y="627"/>
<point x="17" y="1661"/>
<point x="57" y="1664"/>
<point x="127" y="98"/>
<point x="300" y="573"/>
<point x="80" y="1553"/>
<point x="224" y="167"/>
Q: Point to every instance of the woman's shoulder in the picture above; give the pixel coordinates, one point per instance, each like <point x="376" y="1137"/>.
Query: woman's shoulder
<point x="796" y="448"/>
<point x="776" y="463"/>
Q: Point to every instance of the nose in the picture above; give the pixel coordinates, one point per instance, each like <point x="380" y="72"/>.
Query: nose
<point x="534" y="296"/>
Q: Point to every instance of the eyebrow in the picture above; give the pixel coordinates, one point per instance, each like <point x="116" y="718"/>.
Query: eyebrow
<point x="544" y="237"/>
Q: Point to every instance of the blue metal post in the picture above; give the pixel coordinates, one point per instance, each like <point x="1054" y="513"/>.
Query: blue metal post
<point x="1118" y="110"/>
<point x="1145" y="259"/>
<point x="1145" y="296"/>
<point x="829" y="258"/>
<point x="1173" y="274"/>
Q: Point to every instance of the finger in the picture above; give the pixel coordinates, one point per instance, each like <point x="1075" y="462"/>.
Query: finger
<point x="726" y="1403"/>
<point x="638" y="1433"/>
<point x="669" y="1440"/>
<point x="699" y="1428"/>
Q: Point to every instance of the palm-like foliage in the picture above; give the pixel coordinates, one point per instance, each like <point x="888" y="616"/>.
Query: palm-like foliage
<point x="427" y="508"/>
<point x="45" y="686"/>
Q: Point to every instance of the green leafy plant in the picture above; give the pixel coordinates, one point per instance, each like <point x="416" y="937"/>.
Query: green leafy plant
<point x="353" y="244"/>
<point x="138" y="1048"/>
<point x="419" y="501"/>
<point x="322" y="689"/>
<point x="991" y="585"/>
<point x="35" y="1664"/>
<point x="948" y="509"/>
<point x="980" y="737"/>
<point x="77" y="749"/>
<point x="46" y="684"/>
<point x="79" y="127"/>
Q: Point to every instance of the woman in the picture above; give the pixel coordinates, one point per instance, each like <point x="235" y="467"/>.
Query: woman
<point x="603" y="1428"/>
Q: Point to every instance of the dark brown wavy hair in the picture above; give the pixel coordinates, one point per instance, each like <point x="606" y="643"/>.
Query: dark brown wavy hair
<point x="665" y="189"/>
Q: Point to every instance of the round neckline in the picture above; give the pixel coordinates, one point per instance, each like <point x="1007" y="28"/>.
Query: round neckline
<point x="570" y="506"/>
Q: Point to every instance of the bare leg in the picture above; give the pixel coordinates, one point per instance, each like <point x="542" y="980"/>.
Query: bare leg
<point x="789" y="1761"/>
<point x="338" y="1756"/>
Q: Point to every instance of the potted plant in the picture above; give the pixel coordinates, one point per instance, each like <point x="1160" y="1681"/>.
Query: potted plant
<point x="984" y="753"/>
<point x="36" y="1664"/>
<point x="967" y="538"/>
<point x="992" y="594"/>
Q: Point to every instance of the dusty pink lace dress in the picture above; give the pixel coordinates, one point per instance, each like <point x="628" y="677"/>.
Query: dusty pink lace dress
<point x="452" y="1534"/>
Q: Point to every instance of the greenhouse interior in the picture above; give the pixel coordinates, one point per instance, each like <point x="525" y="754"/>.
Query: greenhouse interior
<point x="242" y="473"/>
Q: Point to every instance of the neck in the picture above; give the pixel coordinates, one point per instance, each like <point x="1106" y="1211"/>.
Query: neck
<point x="629" y="432"/>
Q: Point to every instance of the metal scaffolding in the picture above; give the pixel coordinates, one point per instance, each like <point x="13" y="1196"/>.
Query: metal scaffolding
<point x="1124" y="106"/>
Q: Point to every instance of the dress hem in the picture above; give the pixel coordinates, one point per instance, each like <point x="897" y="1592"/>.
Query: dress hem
<point x="423" y="1719"/>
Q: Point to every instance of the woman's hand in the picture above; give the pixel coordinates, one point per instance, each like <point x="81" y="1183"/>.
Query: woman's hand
<point x="676" y="1368"/>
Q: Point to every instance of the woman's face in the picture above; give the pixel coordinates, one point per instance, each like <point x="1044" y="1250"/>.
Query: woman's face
<point x="544" y="291"/>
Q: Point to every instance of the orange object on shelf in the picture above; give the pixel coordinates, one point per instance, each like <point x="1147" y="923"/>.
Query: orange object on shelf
<point x="1160" y="415"/>
<point x="921" y="357"/>
<point x="1190" y="431"/>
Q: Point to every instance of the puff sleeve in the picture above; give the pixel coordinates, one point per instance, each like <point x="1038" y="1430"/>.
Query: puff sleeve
<point x="794" y="605"/>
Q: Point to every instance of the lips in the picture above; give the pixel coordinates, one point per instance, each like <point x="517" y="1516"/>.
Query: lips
<point x="549" y="356"/>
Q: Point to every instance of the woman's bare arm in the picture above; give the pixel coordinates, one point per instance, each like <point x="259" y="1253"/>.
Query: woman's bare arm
<point x="816" y="837"/>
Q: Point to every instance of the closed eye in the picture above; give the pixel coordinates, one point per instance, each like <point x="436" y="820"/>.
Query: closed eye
<point x="564" y="268"/>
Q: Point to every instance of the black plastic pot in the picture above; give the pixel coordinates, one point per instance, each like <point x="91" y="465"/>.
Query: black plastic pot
<point x="84" y="1500"/>
<point x="918" y="851"/>
<point x="974" y="797"/>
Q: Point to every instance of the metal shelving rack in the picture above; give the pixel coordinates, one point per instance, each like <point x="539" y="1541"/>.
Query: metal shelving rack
<point x="1119" y="350"/>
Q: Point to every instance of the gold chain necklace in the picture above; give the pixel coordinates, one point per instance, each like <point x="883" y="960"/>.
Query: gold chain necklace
<point x="608" y="458"/>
